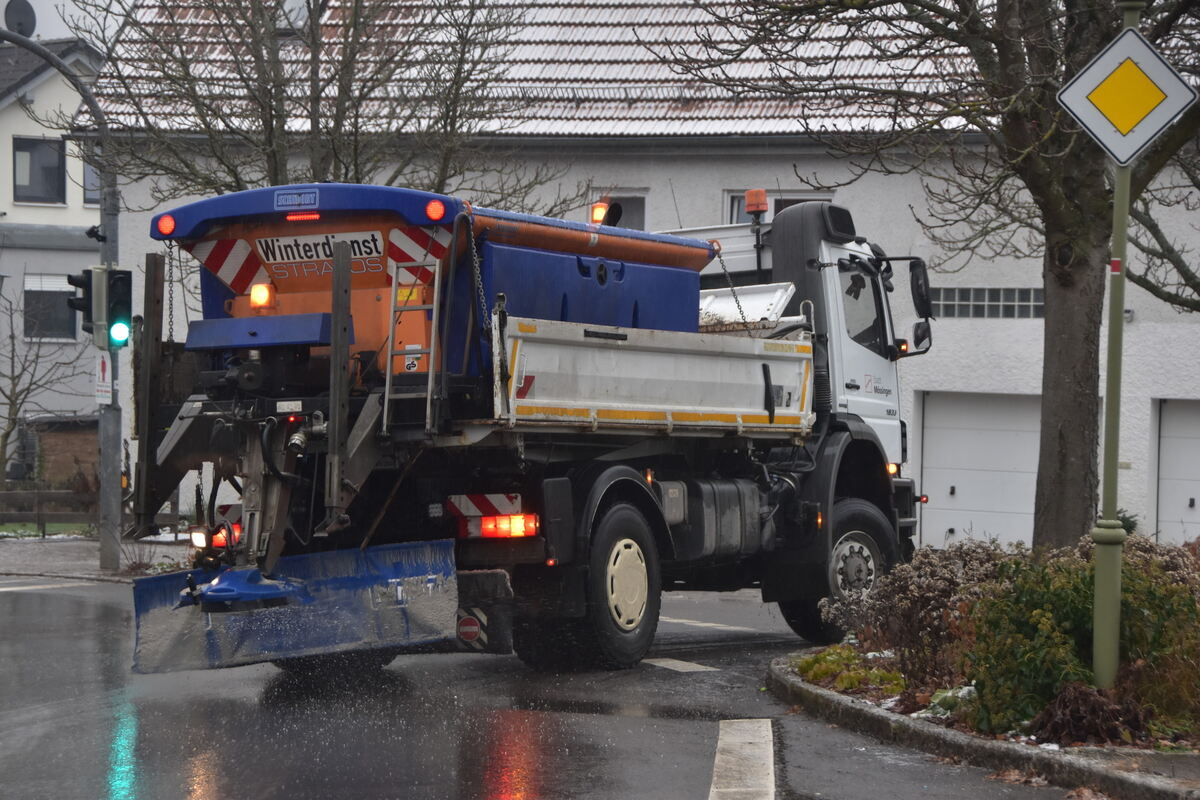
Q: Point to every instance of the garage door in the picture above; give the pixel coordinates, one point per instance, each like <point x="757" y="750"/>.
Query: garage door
<point x="1179" y="471"/>
<point x="979" y="467"/>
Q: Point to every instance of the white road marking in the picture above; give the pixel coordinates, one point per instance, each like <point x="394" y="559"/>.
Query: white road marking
<point x="678" y="666"/>
<point x="744" y="767"/>
<point x="717" y="625"/>
<point x="32" y="587"/>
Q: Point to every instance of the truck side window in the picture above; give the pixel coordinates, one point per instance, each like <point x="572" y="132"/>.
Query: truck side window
<point x="864" y="323"/>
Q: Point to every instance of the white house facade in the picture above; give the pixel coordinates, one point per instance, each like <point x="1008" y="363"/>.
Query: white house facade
<point x="49" y="199"/>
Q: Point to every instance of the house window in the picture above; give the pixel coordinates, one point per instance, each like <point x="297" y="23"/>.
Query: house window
<point x="988" y="303"/>
<point x="46" y="313"/>
<point x="39" y="171"/>
<point x="775" y="204"/>
<point x="91" y="184"/>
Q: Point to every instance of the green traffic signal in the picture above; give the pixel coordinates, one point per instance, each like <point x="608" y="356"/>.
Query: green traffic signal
<point x="119" y="299"/>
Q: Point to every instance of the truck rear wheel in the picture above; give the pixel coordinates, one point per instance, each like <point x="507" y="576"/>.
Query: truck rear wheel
<point x="861" y="538"/>
<point x="623" y="596"/>
<point x="624" y="590"/>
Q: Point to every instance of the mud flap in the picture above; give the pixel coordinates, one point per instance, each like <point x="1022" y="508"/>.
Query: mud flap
<point x="392" y="596"/>
<point x="485" y="612"/>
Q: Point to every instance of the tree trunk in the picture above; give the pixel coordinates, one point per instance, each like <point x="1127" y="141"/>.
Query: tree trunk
<point x="1067" y="480"/>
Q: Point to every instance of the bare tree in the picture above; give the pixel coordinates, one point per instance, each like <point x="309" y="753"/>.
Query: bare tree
<point x="963" y="93"/>
<point x="213" y="96"/>
<point x="35" y="370"/>
<point x="1169" y="270"/>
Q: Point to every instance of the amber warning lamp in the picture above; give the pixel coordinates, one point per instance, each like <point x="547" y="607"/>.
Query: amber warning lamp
<point x="599" y="212"/>
<point x="756" y="201"/>
<point x="262" y="295"/>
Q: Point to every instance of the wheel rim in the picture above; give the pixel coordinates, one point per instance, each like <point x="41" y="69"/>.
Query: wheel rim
<point x="854" y="564"/>
<point x="628" y="584"/>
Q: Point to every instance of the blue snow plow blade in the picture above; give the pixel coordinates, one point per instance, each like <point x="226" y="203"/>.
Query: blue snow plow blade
<point x="392" y="596"/>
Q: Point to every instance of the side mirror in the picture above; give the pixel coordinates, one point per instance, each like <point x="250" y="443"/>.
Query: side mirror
<point x="922" y="338"/>
<point x="919" y="281"/>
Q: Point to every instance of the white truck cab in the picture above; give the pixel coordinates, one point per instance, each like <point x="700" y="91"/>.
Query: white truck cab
<point x="842" y="285"/>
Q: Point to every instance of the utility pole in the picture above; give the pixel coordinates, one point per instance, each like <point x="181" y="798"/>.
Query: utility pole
<point x="110" y="415"/>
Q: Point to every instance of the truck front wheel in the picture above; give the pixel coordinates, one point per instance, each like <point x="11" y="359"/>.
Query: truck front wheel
<point x="861" y="537"/>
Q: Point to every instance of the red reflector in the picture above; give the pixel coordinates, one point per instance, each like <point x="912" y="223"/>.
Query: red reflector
<point x="924" y="498"/>
<point x="435" y="210"/>
<point x="508" y="526"/>
<point x="303" y="216"/>
<point x="166" y="225"/>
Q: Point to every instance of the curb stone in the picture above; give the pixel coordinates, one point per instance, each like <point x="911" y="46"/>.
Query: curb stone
<point x="1059" y="768"/>
<point x="68" y="576"/>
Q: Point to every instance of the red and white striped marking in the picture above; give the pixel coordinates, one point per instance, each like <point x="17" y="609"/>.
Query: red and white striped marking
<point x="414" y="245"/>
<point x="483" y="505"/>
<point x="229" y="512"/>
<point x="233" y="261"/>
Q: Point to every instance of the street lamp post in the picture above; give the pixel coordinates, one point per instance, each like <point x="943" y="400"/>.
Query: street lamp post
<point x="110" y="415"/>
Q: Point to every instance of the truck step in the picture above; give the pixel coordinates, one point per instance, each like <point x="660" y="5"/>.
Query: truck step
<point x="422" y="351"/>
<point x="422" y="307"/>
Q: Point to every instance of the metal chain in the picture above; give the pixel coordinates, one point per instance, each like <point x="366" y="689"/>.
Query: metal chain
<point x="485" y="319"/>
<point x="733" y="291"/>
<point x="171" y="256"/>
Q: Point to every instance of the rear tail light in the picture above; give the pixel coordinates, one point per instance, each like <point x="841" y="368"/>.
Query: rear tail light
<point x="303" y="216"/>
<point x="508" y="526"/>
<point x="219" y="539"/>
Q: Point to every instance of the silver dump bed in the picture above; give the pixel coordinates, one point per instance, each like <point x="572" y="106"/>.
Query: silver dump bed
<point x="596" y="377"/>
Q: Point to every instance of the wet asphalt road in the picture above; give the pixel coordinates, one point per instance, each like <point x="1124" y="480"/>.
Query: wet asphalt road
<point x="76" y="723"/>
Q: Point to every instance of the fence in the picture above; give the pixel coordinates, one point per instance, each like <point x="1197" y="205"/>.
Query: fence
<point x="53" y="506"/>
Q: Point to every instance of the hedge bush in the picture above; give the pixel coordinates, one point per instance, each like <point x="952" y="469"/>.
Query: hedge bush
<point x="1018" y="627"/>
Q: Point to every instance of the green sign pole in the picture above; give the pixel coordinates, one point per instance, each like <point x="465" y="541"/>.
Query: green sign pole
<point x="1108" y="534"/>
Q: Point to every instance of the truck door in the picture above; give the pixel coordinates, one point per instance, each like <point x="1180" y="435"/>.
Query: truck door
<point x="864" y="375"/>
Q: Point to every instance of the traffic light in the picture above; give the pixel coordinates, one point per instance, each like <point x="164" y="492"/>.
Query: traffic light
<point x="82" y="302"/>
<point x="119" y="305"/>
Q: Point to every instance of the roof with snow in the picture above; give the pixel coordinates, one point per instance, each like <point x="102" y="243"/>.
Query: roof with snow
<point x="566" y="68"/>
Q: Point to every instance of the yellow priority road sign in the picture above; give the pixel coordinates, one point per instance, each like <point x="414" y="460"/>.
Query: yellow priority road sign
<point x="1126" y="96"/>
